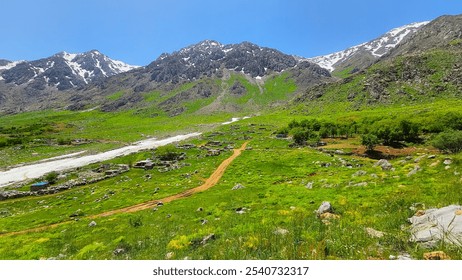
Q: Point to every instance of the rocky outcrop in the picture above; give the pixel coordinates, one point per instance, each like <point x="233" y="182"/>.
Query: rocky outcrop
<point x="434" y="225"/>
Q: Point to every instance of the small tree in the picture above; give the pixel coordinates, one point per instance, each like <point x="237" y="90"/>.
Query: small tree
<point x="299" y="135"/>
<point x="369" y="141"/>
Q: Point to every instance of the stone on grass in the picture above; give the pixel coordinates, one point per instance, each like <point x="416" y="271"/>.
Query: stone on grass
<point x="437" y="255"/>
<point x="325" y="207"/>
<point x="444" y="224"/>
<point x="413" y="171"/>
<point x="281" y="231"/>
<point x="309" y="185"/>
<point x="92" y="224"/>
<point x="374" y="233"/>
<point x="238" y="187"/>
<point x="359" y="173"/>
<point x="208" y="238"/>
<point x="384" y="164"/>
<point x="119" y="251"/>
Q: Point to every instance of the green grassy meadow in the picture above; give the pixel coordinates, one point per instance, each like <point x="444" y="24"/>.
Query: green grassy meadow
<point x="272" y="217"/>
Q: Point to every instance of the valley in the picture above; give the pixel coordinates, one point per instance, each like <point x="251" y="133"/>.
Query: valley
<point x="219" y="152"/>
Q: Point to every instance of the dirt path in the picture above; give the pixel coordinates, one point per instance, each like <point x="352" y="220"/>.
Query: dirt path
<point x="210" y="182"/>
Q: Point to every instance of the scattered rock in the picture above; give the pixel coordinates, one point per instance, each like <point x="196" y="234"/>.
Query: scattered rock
<point x="327" y="217"/>
<point x="431" y="156"/>
<point x="238" y="187"/>
<point x="401" y="257"/>
<point x="433" y="164"/>
<point x="309" y="185"/>
<point x="447" y="161"/>
<point x="384" y="164"/>
<point x="160" y="203"/>
<point x="437" y="255"/>
<point x="374" y="233"/>
<point x="200" y="209"/>
<point x="325" y="207"/>
<point x="281" y="231"/>
<point x="208" y="238"/>
<point x="447" y="167"/>
<point x="169" y="255"/>
<point x="241" y="210"/>
<point x="204" y="221"/>
<point x="92" y="224"/>
<point x="437" y="224"/>
<point x="413" y="171"/>
<point x="119" y="251"/>
<point x="361" y="184"/>
<point x="359" y="173"/>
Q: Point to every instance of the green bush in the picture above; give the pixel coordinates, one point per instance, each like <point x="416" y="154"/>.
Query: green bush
<point x="51" y="177"/>
<point x="369" y="140"/>
<point x="449" y="141"/>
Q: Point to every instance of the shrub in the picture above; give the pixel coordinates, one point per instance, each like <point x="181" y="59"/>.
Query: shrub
<point x="369" y="140"/>
<point x="449" y="141"/>
<point x="51" y="177"/>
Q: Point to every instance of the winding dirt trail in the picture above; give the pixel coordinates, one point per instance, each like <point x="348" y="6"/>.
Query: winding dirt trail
<point x="210" y="182"/>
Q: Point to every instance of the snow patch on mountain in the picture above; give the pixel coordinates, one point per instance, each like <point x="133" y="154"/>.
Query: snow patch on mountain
<point x="377" y="47"/>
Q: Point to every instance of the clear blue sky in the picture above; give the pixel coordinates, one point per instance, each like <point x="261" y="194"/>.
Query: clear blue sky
<point x="138" y="31"/>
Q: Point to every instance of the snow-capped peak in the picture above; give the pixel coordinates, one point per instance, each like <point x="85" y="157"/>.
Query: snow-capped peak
<point x="64" y="70"/>
<point x="377" y="47"/>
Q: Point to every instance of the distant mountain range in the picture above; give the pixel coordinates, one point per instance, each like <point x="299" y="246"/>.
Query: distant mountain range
<point x="79" y="80"/>
<point x="62" y="70"/>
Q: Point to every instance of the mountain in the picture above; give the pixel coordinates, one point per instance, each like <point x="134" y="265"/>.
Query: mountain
<point x="363" y="55"/>
<point x="443" y="32"/>
<point x="61" y="71"/>
<point x="426" y="66"/>
<point x="209" y="57"/>
<point x="207" y="67"/>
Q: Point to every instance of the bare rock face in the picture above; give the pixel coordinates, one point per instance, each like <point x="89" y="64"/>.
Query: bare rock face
<point x="435" y="225"/>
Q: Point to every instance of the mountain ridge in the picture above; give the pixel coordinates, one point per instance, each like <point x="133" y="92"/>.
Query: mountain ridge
<point x="364" y="54"/>
<point x="62" y="70"/>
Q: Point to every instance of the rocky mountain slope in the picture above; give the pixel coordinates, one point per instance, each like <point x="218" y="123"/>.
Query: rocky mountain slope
<point x="204" y="71"/>
<point x="443" y="32"/>
<point x="363" y="55"/>
<point x="426" y="66"/>
<point x="62" y="70"/>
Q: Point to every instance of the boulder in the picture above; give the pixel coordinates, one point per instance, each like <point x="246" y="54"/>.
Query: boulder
<point x="384" y="164"/>
<point x="438" y="224"/>
<point x="325" y="207"/>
